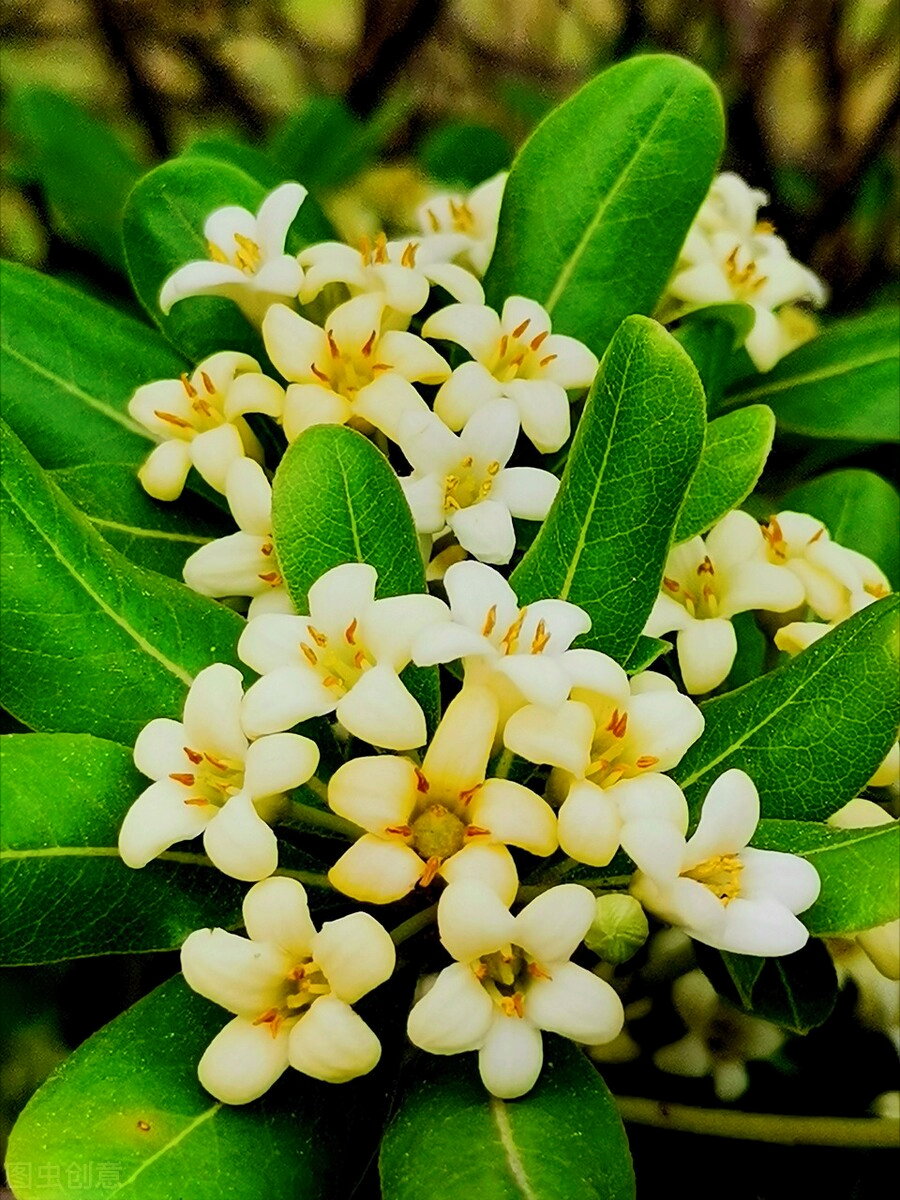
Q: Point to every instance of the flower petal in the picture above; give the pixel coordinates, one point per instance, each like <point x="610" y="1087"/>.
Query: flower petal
<point x="308" y="404"/>
<point x="377" y="791"/>
<point x="560" y="736"/>
<point x="515" y="815"/>
<point x="576" y="1004"/>
<point x="728" y="819"/>
<point x="243" y="1061"/>
<point x="212" y="712"/>
<point x="473" y="590"/>
<point x="165" y="470"/>
<point x="454" y="1015"/>
<point x="706" y="652"/>
<point x="293" y="343"/>
<point x="456" y="760"/>
<point x="213" y="452"/>
<point x="243" y="976"/>
<point x="527" y="492"/>
<point x="356" y="953"/>
<point x="332" y="1043"/>
<point x="787" y="878"/>
<point x="275" y="215"/>
<point x="511" y="1058"/>
<point x="379" y="710"/>
<point x="473" y="920"/>
<point x="277" y="910"/>
<point x="391" y="625"/>
<point x="159" y="818"/>
<point x="489" y="864"/>
<point x="239" y="841"/>
<point x="473" y="326"/>
<point x="589" y="824"/>
<point x="159" y="749"/>
<point x="341" y="596"/>
<point x="277" y="763"/>
<point x="552" y="926"/>
<point x="254" y="393"/>
<point x="412" y="357"/>
<point x="200" y="279"/>
<point x="661" y="724"/>
<point x="762" y="927"/>
<point x="283" y="698"/>
<point x="652" y="797"/>
<point x="469" y="387"/>
<point x="376" y="871"/>
<point x="543" y="410"/>
<point x="486" y="530"/>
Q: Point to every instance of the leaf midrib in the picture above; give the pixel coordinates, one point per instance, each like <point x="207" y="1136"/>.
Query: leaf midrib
<point x="815" y="376"/>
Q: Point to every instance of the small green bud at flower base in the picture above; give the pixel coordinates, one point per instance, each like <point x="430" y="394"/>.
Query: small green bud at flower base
<point x="619" y="928"/>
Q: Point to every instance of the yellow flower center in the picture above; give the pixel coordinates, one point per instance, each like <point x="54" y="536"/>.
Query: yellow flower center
<point x="466" y="484"/>
<point x="746" y="280"/>
<point x="206" y="410"/>
<point x="505" y="975"/>
<point x="213" y="780"/>
<point x="246" y="255"/>
<point x="721" y="874"/>
<point x="700" y="598"/>
<point x="439" y="825"/>
<point x="304" y="984"/>
<point x="606" y="767"/>
<point x="517" y="356"/>
<point x="347" y="372"/>
<point x="338" y="662"/>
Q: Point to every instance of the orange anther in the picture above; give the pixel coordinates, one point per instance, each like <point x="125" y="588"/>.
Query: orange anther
<point x="671" y="585"/>
<point x="208" y="383"/>
<point x="309" y="654"/>
<point x="536" y="971"/>
<point x="197" y="802"/>
<point x="399" y="830"/>
<point x="520" y="329"/>
<point x="537" y="342"/>
<point x="465" y="797"/>
<point x="215" y="762"/>
<point x="431" y="869"/>
<point x="332" y="344"/>
<point x="171" y="419"/>
<point x="422" y="784"/>
<point x="504" y="342"/>
<point x="188" y="386"/>
<point x="271" y="577"/>
<point x="646" y="760"/>
<point x="183" y="777"/>
<point x="319" y="638"/>
<point x="476" y="831"/>
<point x="489" y="621"/>
<point x="319" y="374"/>
<point x="540" y="639"/>
<point x="706" y="567"/>
<point x="350" y="632"/>
<point x="618" y="723"/>
<point x="544" y="362"/>
<point x="194" y="755"/>
<point x="408" y="257"/>
<point x="369" y="343"/>
<point x="266" y="549"/>
<point x="815" y="537"/>
<point x="433" y="221"/>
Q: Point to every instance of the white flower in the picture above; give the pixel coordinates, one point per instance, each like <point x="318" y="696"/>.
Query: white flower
<point x="245" y="563"/>
<point x="404" y="271"/>
<point x="473" y="217"/>
<point x="210" y="779"/>
<point x="247" y="262"/>
<point x="729" y="257"/>
<point x="463" y="483"/>
<point x="837" y="581"/>
<point x="201" y="420"/>
<point x="350" y="371"/>
<point x="705" y="584"/>
<point x="512" y="979"/>
<point x="608" y="749"/>
<point x="720" y="1040"/>
<point x="344" y="657"/>
<point x="290" y="989"/>
<point x="442" y="819"/>
<point x="515" y="356"/>
<point x="881" y="942"/>
<point x="713" y="886"/>
<point x="522" y="654"/>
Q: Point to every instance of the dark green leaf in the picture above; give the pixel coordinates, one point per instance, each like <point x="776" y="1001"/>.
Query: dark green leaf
<point x="148" y="532"/>
<point x="796" y="991"/>
<point x="126" y="1113"/>
<point x="70" y="365"/>
<point x="811" y="733"/>
<point x="564" y="1139"/>
<point x="92" y="644"/>
<point x="336" y="499"/>
<point x="605" y="540"/>
<point x="843" y="384"/>
<point x="461" y="154"/>
<point x="752" y="644"/>
<point x="602" y="194"/>
<point x="646" y="651"/>
<point x="861" y="510"/>
<point x="859" y="870"/>
<point x="85" y="172"/>
<point x="737" y="446"/>
<point x="323" y="145"/>
<point x="710" y="336"/>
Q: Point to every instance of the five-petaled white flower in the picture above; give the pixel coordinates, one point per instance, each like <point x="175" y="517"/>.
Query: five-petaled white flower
<point x="350" y="371"/>
<point x="344" y="657"/>
<point x="728" y="256"/>
<point x="201" y="419"/>
<point x="716" y="888"/>
<point x="515" y="355"/>
<point x="244" y="563"/>
<point x="608" y="749"/>
<point x="521" y="653"/>
<point x="837" y="581"/>
<point x="705" y="584"/>
<point x="291" y="989"/>
<point x="404" y="271"/>
<point x="473" y="217"/>
<point x="210" y="779"/>
<point x="441" y="819"/>
<point x="513" y="978"/>
<point x="247" y="262"/>
<point x="719" y="1041"/>
<point x="462" y="483"/>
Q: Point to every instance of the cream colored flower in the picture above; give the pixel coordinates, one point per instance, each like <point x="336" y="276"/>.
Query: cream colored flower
<point x="210" y="779"/>
<point x="473" y="218"/>
<point x="200" y="421"/>
<point x="512" y="979"/>
<point x="352" y="371"/>
<point x="290" y="989"/>
<point x="443" y="818"/>
<point x="247" y="262"/>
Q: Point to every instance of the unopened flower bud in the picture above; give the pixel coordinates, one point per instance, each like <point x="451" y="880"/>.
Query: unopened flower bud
<point x="619" y="929"/>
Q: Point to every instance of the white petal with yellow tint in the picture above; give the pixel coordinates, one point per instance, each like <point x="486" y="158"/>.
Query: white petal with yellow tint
<point x="470" y="386"/>
<point x="308" y="404"/>
<point x="473" y="920"/>
<point x="589" y="824"/>
<point x="652" y="797"/>
<point x="473" y="590"/>
<point x="387" y="401"/>
<point x="412" y="357"/>
<point x="511" y="1058"/>
<point x="453" y="1016"/>
<point x="158" y="818"/>
<point x="485" y="530"/>
<point x="249" y="496"/>
<point x="159" y="749"/>
<point x="515" y="815"/>
<point x="487" y="863"/>
<point x="379" y="710"/>
<point x="163" y="474"/>
<point x="457" y="281"/>
<point x="239" y="841"/>
<point x="341" y="596"/>
<point x="332" y="1043"/>
<point x="376" y="871"/>
<point x="574" y="365"/>
<point x="278" y="763"/>
<point x="376" y="791"/>
<point x="657" y="848"/>
<point x="243" y="1061"/>
<point x="527" y="492"/>
<point x="283" y="698"/>
<point x="475" y="327"/>
<point x="456" y="759"/>
<point x="355" y="953"/>
<point x="728" y="819"/>
<point x="761" y="585"/>
<point x="277" y="910"/>
<point x="212" y="712"/>
<point x="787" y="878"/>
<point x="761" y="927"/>
<point x="661" y="724"/>
<point x="293" y="343"/>
<point x="245" y="977"/>
<point x="706" y="652"/>
<point x="391" y="625"/>
<point x="553" y="925"/>
<point x="575" y="1003"/>
<point x="272" y="641"/>
<point x="228" y="566"/>
<point x="275" y="215"/>
<point x="560" y="736"/>
<point x="201" y="279"/>
<point x="543" y="410"/>
<point x="213" y="452"/>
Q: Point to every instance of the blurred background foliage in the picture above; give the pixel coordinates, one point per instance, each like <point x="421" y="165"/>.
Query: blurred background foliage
<point x="372" y="103"/>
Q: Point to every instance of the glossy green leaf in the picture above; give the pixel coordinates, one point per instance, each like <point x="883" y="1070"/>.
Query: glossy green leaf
<point x="646" y="651"/>
<point x="150" y="533"/>
<point x="449" y="1138"/>
<point x="752" y="647"/>
<point x="710" y="335"/>
<point x="322" y="145"/>
<point x="92" y="644"/>
<point x="336" y="499"/>
<point x="843" y="384"/>
<point x="797" y="991"/>
<point x="734" y="454"/>
<point x="70" y="364"/>
<point x="811" y="733"/>
<point x="859" y="870"/>
<point x="462" y="154"/>
<point x="124" y="1118"/>
<point x="605" y="540"/>
<point x="602" y="194"/>
<point x="83" y="169"/>
<point x="861" y="510"/>
<point x="65" y="891"/>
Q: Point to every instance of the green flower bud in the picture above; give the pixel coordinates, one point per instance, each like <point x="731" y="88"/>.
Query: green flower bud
<point x="619" y="929"/>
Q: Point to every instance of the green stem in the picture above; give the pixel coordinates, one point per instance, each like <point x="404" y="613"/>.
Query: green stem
<point x="504" y="762"/>
<point x="317" y="787"/>
<point x="784" y="1129"/>
<point x="612" y="883"/>
<point x="420" y="920"/>
<point x="307" y="877"/>
<point x="301" y="814"/>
